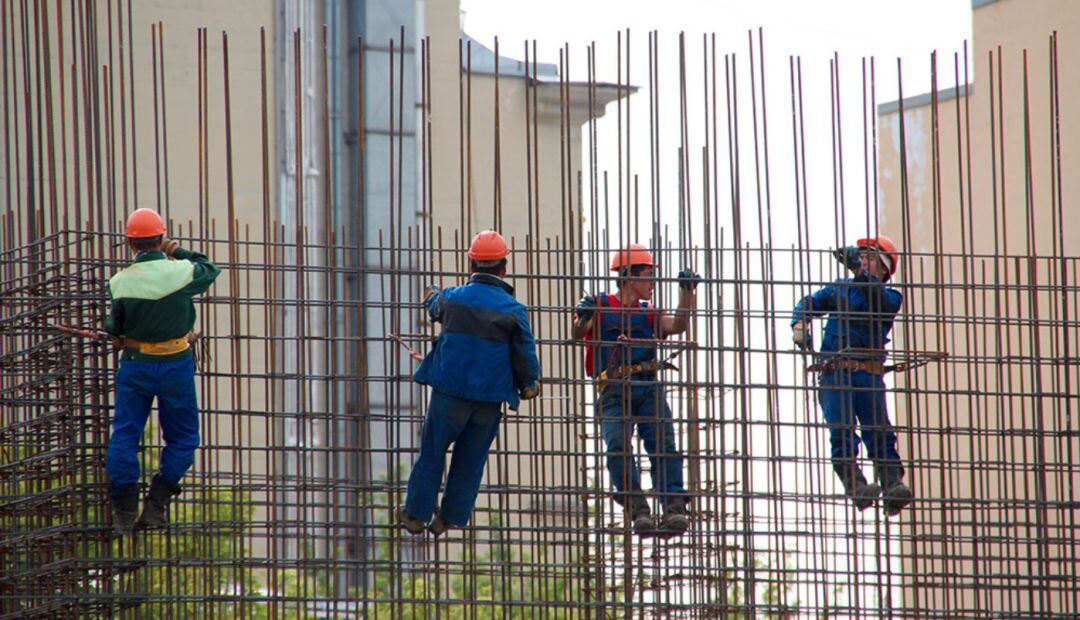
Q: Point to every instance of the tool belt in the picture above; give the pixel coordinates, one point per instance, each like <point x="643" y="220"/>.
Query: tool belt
<point x="621" y="372"/>
<point x="871" y="366"/>
<point x="168" y="347"/>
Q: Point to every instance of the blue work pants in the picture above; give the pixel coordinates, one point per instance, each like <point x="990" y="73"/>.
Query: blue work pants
<point x="855" y="397"/>
<point x="643" y="405"/>
<point x="472" y="427"/>
<point x="137" y="384"/>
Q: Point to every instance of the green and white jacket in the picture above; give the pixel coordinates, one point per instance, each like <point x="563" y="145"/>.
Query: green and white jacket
<point x="150" y="300"/>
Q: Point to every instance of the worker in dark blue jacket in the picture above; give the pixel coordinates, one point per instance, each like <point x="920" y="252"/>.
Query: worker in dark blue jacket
<point x="484" y="357"/>
<point x="851" y="364"/>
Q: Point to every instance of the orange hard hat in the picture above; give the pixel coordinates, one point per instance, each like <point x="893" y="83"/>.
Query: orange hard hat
<point x="886" y="247"/>
<point x="144" y="223"/>
<point x="633" y="254"/>
<point x="488" y="246"/>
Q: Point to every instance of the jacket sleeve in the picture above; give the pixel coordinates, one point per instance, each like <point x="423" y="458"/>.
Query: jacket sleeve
<point x="114" y="322"/>
<point x="819" y="303"/>
<point x="523" y="360"/>
<point x="205" y="272"/>
<point x="434" y="305"/>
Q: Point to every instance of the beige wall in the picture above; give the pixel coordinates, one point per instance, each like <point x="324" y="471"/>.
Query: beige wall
<point x="976" y="473"/>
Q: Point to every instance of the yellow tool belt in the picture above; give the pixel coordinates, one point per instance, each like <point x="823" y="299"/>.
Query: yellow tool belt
<point x="615" y="374"/>
<point x="168" y="347"/>
<point x="871" y="366"/>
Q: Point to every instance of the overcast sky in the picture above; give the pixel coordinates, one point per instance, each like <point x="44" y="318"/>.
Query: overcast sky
<point x="814" y="31"/>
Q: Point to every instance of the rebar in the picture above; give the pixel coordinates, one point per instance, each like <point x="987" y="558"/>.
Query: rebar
<point x="310" y="420"/>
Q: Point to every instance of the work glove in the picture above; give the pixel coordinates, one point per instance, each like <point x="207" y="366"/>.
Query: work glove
<point x="688" y="280"/>
<point x="431" y="289"/>
<point x="169" y="246"/>
<point x="800" y="335"/>
<point x="531" y="392"/>
<point x="586" y="307"/>
<point x="849" y="257"/>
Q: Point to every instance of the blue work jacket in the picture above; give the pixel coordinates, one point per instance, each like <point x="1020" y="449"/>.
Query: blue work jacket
<point x="861" y="313"/>
<point x="486" y="350"/>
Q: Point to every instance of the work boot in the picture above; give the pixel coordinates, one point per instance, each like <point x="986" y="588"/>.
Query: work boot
<point x="641" y="517"/>
<point x="897" y="495"/>
<point x="411" y="524"/>
<point x="856" y="487"/>
<point x="155" y="514"/>
<point x="125" y="507"/>
<point x="439" y="525"/>
<point x="676" y="517"/>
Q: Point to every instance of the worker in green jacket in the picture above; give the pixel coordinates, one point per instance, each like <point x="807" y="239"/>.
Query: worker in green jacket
<point x="152" y="314"/>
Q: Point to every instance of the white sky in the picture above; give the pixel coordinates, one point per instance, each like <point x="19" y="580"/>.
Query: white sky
<point x="854" y="29"/>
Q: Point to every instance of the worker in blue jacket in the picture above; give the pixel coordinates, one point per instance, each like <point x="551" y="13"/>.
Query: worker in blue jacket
<point x="484" y="357"/>
<point x="851" y="364"/>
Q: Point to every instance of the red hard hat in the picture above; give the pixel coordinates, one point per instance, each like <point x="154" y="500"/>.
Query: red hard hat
<point x="488" y="246"/>
<point x="633" y="254"/>
<point x="885" y="245"/>
<point x="144" y="223"/>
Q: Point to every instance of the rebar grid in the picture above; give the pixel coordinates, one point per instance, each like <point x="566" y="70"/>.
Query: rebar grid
<point x="310" y="420"/>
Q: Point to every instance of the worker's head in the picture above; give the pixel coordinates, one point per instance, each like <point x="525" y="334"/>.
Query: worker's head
<point x="635" y="269"/>
<point x="879" y="257"/>
<point x="488" y="252"/>
<point x="145" y="230"/>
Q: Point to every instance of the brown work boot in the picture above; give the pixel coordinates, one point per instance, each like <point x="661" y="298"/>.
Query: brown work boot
<point x="641" y="518"/>
<point x="439" y="525"/>
<point x="411" y="524"/>
<point x="897" y="495"/>
<point x="676" y="517"/>
<point x="862" y="493"/>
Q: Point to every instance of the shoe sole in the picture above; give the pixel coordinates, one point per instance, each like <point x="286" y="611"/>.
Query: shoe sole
<point x="439" y="530"/>
<point x="862" y="502"/>
<point x="896" y="503"/>
<point x="403" y="519"/>
<point x="676" y="526"/>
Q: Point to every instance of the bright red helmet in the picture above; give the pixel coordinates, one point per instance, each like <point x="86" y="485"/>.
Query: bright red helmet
<point x="886" y="248"/>
<point x="488" y="246"/>
<point x="633" y="254"/>
<point x="143" y="224"/>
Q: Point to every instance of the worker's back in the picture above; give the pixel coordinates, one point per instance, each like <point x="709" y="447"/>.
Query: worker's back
<point x="486" y="350"/>
<point x="151" y="298"/>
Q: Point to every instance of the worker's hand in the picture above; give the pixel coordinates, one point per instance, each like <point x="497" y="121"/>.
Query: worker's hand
<point x="430" y="290"/>
<point x="585" y="308"/>
<point x="531" y="392"/>
<point x="849" y="257"/>
<point x="688" y="280"/>
<point x="800" y="335"/>
<point x="169" y="246"/>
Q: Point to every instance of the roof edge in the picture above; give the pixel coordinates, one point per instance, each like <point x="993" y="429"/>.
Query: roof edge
<point x="923" y="99"/>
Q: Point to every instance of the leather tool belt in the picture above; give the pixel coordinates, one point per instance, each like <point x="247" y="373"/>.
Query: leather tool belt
<point x="168" y="347"/>
<point x="871" y="366"/>
<point x="614" y="374"/>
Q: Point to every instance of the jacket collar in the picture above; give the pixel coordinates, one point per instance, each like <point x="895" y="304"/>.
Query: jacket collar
<point x="148" y="255"/>
<point x="487" y="278"/>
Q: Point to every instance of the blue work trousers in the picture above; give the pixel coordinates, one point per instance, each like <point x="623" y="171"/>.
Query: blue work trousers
<point x="622" y="408"/>
<point x="855" y="397"/>
<point x="471" y="426"/>
<point x="137" y="384"/>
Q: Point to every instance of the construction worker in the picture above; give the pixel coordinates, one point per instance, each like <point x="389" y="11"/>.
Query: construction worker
<point x="485" y="356"/>
<point x="629" y="395"/>
<point x="152" y="314"/>
<point x="851" y="365"/>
